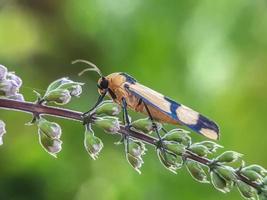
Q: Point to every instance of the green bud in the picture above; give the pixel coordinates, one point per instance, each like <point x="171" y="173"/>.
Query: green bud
<point x="51" y="129"/>
<point x="108" y="108"/>
<point x="257" y="168"/>
<point x="212" y="146"/>
<point x="226" y="172"/>
<point x="51" y="145"/>
<point x="200" y="150"/>
<point x="145" y="125"/>
<point x="220" y="183"/>
<point x="57" y="83"/>
<point x="246" y="191"/>
<point x="265" y="181"/>
<point x="196" y="171"/>
<point x="252" y="175"/>
<point x="175" y="147"/>
<point x="178" y="135"/>
<point x="58" y="96"/>
<point x="2" y="130"/>
<point x="228" y="156"/>
<point x="92" y="144"/>
<point x="135" y="162"/>
<point x="170" y="161"/>
<point x="109" y="124"/>
<point x="136" y="148"/>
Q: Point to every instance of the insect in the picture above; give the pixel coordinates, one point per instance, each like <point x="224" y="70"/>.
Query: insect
<point x="127" y="92"/>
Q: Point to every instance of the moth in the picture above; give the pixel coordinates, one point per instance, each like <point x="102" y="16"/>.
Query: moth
<point x="126" y="91"/>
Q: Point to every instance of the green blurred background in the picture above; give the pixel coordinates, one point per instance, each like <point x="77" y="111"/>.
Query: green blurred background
<point x="210" y="55"/>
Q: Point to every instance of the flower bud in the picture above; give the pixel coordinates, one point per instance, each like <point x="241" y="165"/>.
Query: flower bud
<point x="2" y="130"/>
<point x="145" y="125"/>
<point x="51" y="129"/>
<point x="57" y="83"/>
<point x="92" y="144"/>
<point x="136" y="148"/>
<point x="228" y="156"/>
<point x="220" y="183"/>
<point x="178" y="135"/>
<point x="108" y="108"/>
<point x="199" y="149"/>
<point x="226" y="172"/>
<point x="246" y="191"/>
<point x="257" y="168"/>
<point x="170" y="161"/>
<point x="59" y="96"/>
<point x="3" y="72"/>
<point x="8" y="88"/>
<point x="252" y="175"/>
<point x="109" y="124"/>
<point x="175" y="147"/>
<point x="212" y="146"/>
<point x="51" y="145"/>
<point x="265" y="181"/>
<point x="15" y="78"/>
<point x="74" y="88"/>
<point x="135" y="162"/>
<point x="196" y="171"/>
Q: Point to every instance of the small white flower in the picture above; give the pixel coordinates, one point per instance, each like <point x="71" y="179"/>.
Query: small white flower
<point x="17" y="96"/>
<point x="3" y="72"/>
<point x="2" y="131"/>
<point x="56" y="130"/>
<point x="76" y="90"/>
<point x="56" y="146"/>
<point x="65" y="98"/>
<point x="14" y="77"/>
<point x="8" y="87"/>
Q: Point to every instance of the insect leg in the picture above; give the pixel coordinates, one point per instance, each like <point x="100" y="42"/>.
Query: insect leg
<point x="87" y="115"/>
<point x="125" y="112"/>
<point x="127" y="120"/>
<point x="100" y="99"/>
<point x="152" y="120"/>
<point x="160" y="142"/>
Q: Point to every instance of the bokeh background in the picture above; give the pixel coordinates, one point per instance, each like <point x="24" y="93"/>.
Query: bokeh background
<point x="210" y="55"/>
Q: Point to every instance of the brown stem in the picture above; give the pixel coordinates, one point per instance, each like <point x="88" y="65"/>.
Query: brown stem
<point x="38" y="109"/>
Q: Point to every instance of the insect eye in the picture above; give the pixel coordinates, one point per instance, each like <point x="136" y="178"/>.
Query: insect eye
<point x="104" y="84"/>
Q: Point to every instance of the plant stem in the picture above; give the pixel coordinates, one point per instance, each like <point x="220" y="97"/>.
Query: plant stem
<point x="38" y="109"/>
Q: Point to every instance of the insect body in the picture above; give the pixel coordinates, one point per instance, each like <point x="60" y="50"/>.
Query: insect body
<point x="126" y="91"/>
<point x="163" y="109"/>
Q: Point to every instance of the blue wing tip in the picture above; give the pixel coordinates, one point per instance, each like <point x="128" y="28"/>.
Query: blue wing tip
<point x="207" y="128"/>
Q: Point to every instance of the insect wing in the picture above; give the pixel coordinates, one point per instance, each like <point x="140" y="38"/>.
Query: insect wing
<point x="180" y="113"/>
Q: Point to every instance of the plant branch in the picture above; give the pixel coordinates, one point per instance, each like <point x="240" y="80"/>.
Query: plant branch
<point x="37" y="109"/>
